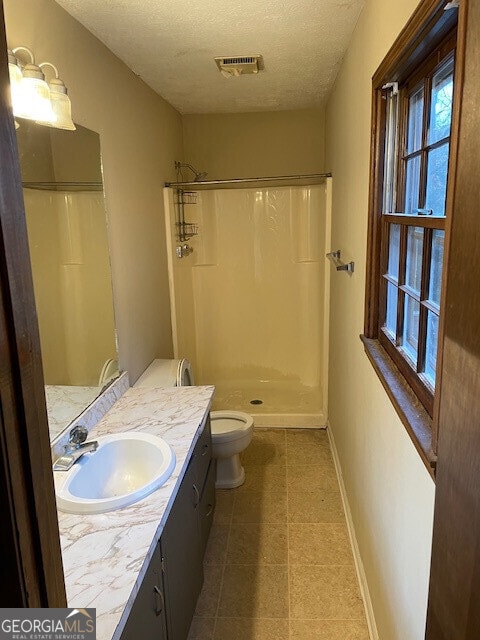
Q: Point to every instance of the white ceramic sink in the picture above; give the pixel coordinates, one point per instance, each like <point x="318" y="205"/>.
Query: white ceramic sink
<point x="125" y="468"/>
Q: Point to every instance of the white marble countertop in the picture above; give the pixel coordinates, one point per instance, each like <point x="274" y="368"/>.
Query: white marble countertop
<point x="106" y="555"/>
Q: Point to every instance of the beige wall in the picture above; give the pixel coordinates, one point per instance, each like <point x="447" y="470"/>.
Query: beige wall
<point x="54" y="155"/>
<point x="390" y="492"/>
<point x="141" y="136"/>
<point x="232" y="145"/>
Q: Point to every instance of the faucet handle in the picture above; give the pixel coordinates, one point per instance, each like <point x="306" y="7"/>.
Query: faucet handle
<point x="78" y="435"/>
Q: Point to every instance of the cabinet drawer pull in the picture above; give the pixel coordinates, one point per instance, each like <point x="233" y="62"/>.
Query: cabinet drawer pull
<point x="158" y="601"/>
<point x="196" y="498"/>
<point x="209" y="510"/>
<point x="205" y="449"/>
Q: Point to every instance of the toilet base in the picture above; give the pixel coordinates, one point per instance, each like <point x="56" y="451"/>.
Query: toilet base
<point x="230" y="473"/>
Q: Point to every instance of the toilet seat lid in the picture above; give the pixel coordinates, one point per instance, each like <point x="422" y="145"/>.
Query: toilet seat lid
<point x="184" y="373"/>
<point x="229" y="425"/>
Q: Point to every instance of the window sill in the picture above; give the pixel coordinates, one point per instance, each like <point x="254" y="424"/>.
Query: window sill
<point x="410" y="411"/>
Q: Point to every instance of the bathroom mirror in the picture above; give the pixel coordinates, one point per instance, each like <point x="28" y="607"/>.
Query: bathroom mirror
<point x="67" y="235"/>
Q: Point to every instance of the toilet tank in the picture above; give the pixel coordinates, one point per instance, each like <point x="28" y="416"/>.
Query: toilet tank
<point x="166" y="373"/>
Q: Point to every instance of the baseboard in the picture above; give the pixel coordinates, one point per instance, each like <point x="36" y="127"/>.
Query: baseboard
<point x="292" y="420"/>
<point x="362" y="578"/>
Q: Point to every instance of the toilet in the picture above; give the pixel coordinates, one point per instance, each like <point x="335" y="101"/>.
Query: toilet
<point x="231" y="430"/>
<point x="166" y="373"/>
<point x="231" y="433"/>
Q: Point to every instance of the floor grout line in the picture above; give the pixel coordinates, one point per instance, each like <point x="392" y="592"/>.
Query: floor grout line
<point x="224" y="566"/>
<point x="287" y="467"/>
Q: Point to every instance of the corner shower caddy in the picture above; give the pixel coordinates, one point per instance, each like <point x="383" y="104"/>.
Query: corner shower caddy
<point x="185" y="230"/>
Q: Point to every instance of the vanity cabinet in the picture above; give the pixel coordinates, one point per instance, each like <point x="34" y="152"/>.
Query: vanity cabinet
<point x="207" y="506"/>
<point x="166" y="601"/>
<point x="147" y="616"/>
<point x="204" y="466"/>
<point x="184" y="538"/>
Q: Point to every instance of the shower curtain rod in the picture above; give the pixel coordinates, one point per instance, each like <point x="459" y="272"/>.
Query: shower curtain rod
<point x="62" y="185"/>
<point x="308" y="176"/>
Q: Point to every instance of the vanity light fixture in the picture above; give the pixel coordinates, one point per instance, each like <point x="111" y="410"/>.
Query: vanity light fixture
<point x="33" y="98"/>
<point x="15" y="74"/>
<point x="31" y="95"/>
<point x="61" y="105"/>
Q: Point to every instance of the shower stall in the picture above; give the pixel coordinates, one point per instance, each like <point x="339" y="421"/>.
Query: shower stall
<point x="249" y="288"/>
<point x="67" y="237"/>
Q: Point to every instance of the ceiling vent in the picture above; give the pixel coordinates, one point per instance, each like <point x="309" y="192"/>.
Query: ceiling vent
<point x="239" y="65"/>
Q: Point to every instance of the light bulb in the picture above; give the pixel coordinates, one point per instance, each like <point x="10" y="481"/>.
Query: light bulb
<point x="61" y="105"/>
<point x="34" y="96"/>
<point x="15" y="74"/>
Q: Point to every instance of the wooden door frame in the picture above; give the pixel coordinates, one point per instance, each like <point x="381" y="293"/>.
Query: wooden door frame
<point x="454" y="598"/>
<point x="32" y="575"/>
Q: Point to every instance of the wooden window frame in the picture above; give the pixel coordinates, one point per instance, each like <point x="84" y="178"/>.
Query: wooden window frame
<point x="409" y="370"/>
<point x="429" y="28"/>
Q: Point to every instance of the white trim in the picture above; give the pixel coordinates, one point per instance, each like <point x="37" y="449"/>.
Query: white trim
<point x="290" y="420"/>
<point x="362" y="578"/>
<point x="169" y="209"/>
<point x="328" y="274"/>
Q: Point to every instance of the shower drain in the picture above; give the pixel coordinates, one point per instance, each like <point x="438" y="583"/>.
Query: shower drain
<point x="256" y="401"/>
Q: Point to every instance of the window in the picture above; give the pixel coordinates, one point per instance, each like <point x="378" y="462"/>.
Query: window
<point x="411" y="142"/>
<point x="418" y="125"/>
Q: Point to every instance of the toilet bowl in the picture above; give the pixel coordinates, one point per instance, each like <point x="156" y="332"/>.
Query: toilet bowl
<point x="231" y="433"/>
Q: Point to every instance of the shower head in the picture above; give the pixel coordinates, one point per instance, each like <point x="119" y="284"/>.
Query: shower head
<point x="199" y="175"/>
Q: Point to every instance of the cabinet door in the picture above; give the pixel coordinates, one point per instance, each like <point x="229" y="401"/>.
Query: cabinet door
<point x="147" y="617"/>
<point x="182" y="558"/>
<point x="202" y="455"/>
<point x="207" y="505"/>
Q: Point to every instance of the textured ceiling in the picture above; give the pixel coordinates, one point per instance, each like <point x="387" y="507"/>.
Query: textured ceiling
<point x="171" y="44"/>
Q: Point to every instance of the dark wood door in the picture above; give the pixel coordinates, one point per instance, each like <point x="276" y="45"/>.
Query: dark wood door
<point x="454" y="599"/>
<point x="31" y="572"/>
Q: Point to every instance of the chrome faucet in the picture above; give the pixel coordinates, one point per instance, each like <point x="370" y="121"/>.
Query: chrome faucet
<point x="75" y="449"/>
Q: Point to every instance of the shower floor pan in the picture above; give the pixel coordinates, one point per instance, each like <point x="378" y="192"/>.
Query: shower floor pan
<point x="271" y="403"/>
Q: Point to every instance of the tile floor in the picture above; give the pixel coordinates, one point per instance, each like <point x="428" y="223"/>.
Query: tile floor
<point x="278" y="565"/>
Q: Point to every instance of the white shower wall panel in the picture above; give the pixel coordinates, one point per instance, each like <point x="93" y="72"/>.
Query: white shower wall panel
<point x="257" y="278"/>
<point x="71" y="276"/>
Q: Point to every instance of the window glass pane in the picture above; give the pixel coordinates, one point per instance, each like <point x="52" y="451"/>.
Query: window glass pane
<point x="391" y="316"/>
<point x="432" y="345"/>
<point x="410" y="328"/>
<point x="415" y="121"/>
<point x="436" y="266"/>
<point x="441" y="109"/>
<point x="413" y="277"/>
<point x="394" y="250"/>
<point x="437" y="180"/>
<point x="412" y="184"/>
